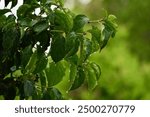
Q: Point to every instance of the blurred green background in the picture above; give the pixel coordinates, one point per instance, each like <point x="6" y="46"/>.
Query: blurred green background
<point x="125" y="62"/>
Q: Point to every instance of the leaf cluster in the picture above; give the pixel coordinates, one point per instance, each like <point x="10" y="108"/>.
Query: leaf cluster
<point x="34" y="48"/>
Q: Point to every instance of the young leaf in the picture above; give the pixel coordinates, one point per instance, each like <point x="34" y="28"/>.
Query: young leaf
<point x="110" y="28"/>
<point x="91" y="78"/>
<point x="61" y="2"/>
<point x="96" y="34"/>
<point x="79" y="22"/>
<point x="57" y="50"/>
<point x="54" y="73"/>
<point x="96" y="69"/>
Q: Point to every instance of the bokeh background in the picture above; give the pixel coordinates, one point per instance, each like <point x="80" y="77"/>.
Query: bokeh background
<point x="125" y="62"/>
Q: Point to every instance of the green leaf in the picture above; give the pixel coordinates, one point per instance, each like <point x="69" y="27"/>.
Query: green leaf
<point x="91" y="78"/>
<point x="79" y="79"/>
<point x="106" y="36"/>
<point x="27" y="22"/>
<point x="88" y="48"/>
<point x="41" y="63"/>
<point x="73" y="72"/>
<point x="40" y="26"/>
<point x="63" y="21"/>
<point x="25" y="55"/>
<point x="54" y="73"/>
<point x="22" y="32"/>
<point x="10" y="37"/>
<point x="46" y="95"/>
<point x="96" y="34"/>
<point x="26" y="10"/>
<point x="57" y="50"/>
<point x="72" y="44"/>
<point x="55" y="94"/>
<point x="42" y="80"/>
<point x="3" y="11"/>
<point x="96" y="69"/>
<point x="30" y="1"/>
<point x="2" y="20"/>
<point x="52" y="94"/>
<point x="110" y="28"/>
<point x="112" y="18"/>
<point x="28" y="88"/>
<point x="27" y="38"/>
<point x="30" y="67"/>
<point x="79" y="22"/>
<point x="61" y="2"/>
<point x="44" y="39"/>
<point x="73" y="59"/>
<point x="22" y="11"/>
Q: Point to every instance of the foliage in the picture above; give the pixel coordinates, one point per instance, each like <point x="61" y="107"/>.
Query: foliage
<point x="125" y="62"/>
<point x="35" y="49"/>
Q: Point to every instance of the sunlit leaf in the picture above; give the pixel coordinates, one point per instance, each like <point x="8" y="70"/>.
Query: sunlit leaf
<point x="30" y="67"/>
<point x="73" y="72"/>
<point x="54" y="73"/>
<point x="96" y="34"/>
<point x="96" y="69"/>
<point x="91" y="78"/>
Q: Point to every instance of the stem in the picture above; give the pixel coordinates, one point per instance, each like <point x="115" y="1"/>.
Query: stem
<point x="96" y="21"/>
<point x="59" y="31"/>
